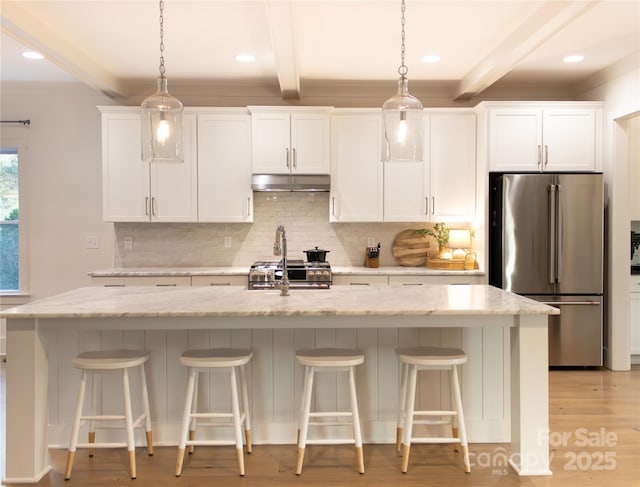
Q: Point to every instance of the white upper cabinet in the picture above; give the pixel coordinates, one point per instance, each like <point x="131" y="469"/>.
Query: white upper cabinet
<point x="442" y="186"/>
<point x="544" y="137"/>
<point x="224" y="166"/>
<point x="137" y="191"/>
<point x="356" y="166"/>
<point x="290" y="140"/>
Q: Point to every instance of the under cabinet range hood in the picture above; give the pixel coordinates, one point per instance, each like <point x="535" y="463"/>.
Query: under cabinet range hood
<point x="290" y="182"/>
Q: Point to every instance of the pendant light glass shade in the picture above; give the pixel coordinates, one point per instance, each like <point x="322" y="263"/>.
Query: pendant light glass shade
<point x="402" y="117"/>
<point x="162" y="139"/>
<point x="162" y="117"/>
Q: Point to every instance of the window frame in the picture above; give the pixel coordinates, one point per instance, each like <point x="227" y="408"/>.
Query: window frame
<point x="23" y="261"/>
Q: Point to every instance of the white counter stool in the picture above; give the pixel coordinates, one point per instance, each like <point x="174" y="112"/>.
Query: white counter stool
<point x="413" y="360"/>
<point x="321" y="360"/>
<point x="232" y="361"/>
<point x="100" y="362"/>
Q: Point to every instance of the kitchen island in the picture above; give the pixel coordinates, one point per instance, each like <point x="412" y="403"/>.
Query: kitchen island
<point x="375" y="318"/>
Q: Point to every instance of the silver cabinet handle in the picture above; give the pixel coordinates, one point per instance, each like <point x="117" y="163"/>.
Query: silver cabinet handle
<point x="295" y="158"/>
<point x="153" y="206"/>
<point x="359" y="283"/>
<point x="426" y="205"/>
<point x="546" y="155"/>
<point x="219" y="284"/>
<point x="412" y="284"/>
<point x="433" y="205"/>
<point x="248" y="205"/>
<point x="539" y="154"/>
<point x="333" y="205"/>
<point x="146" y="205"/>
<point x="166" y="285"/>
<point x="288" y="163"/>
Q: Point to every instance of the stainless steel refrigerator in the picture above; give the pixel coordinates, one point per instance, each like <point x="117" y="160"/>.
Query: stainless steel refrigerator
<point x="546" y="242"/>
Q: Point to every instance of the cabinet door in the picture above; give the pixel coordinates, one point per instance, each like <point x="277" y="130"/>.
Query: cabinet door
<point x="515" y="139"/>
<point x="270" y="141"/>
<point x="224" y="168"/>
<point x="635" y="323"/>
<point x="174" y="185"/>
<point x="356" y="169"/>
<point x="310" y="150"/>
<point x="569" y="138"/>
<point x="125" y="177"/>
<point x="452" y="167"/>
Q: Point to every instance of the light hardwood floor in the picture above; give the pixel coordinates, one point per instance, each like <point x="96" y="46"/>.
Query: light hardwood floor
<point x="594" y="441"/>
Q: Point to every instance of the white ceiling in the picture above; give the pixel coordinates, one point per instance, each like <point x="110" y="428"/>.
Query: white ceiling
<point x="113" y="45"/>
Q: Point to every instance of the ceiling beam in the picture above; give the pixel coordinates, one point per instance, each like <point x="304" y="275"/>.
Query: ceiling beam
<point x="36" y="35"/>
<point x="280" y="20"/>
<point x="537" y="27"/>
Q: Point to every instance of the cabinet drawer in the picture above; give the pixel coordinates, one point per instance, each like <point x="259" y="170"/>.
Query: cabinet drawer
<point x="359" y="280"/>
<point x="418" y="280"/>
<point x="142" y="281"/>
<point x="219" y="280"/>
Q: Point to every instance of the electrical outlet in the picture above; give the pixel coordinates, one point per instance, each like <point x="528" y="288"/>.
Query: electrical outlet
<point x="227" y="242"/>
<point x="92" y="243"/>
<point x="128" y="243"/>
<point x="371" y="242"/>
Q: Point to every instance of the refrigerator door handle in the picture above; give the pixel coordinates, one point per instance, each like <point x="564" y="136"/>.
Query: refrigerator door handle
<point x="552" y="234"/>
<point x="559" y="233"/>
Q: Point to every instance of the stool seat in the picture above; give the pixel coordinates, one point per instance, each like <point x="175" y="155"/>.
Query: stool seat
<point x="321" y="360"/>
<point x="229" y="360"/>
<point x="94" y="363"/>
<point x="110" y="359"/>
<point x="413" y="360"/>
<point x="216" y="357"/>
<point x="432" y="356"/>
<point x="330" y="357"/>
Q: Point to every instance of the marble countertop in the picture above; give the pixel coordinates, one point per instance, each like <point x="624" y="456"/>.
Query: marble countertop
<point x="383" y="300"/>
<point x="243" y="271"/>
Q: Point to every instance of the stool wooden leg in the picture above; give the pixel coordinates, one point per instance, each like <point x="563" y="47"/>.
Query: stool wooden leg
<point x="186" y="416"/>
<point x="357" y="432"/>
<point x="237" y="426"/>
<point x="245" y="408"/>
<point x="93" y="398"/>
<point x="147" y="412"/>
<point x="75" y="430"/>
<point x="304" y="417"/>
<point x="194" y="410"/>
<point x="128" y="418"/>
<point x="402" y="406"/>
<point x="408" y="427"/>
<point x="463" y="432"/>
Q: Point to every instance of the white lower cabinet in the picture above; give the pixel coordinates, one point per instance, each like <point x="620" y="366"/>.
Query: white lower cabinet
<point x="219" y="280"/>
<point x="224" y="166"/>
<point x="634" y="319"/>
<point x="142" y="281"/>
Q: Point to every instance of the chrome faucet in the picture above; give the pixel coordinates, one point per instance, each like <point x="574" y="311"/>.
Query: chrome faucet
<point x="280" y="248"/>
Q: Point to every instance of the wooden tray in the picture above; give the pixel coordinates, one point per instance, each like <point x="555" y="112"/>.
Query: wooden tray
<point x="452" y="265"/>
<point x="410" y="248"/>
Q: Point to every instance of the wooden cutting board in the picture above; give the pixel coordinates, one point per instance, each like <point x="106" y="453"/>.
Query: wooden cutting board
<point x="410" y="248"/>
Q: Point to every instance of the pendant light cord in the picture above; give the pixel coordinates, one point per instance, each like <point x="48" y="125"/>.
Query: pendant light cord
<point x="403" y="70"/>
<point x="162" y="70"/>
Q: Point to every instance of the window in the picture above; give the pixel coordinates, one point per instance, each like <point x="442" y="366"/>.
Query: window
<point x="10" y="240"/>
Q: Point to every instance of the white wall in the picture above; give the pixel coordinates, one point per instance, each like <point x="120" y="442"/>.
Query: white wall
<point x="619" y="88"/>
<point x="62" y="168"/>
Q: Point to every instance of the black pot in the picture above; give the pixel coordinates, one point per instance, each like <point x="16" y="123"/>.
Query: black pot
<point x="316" y="255"/>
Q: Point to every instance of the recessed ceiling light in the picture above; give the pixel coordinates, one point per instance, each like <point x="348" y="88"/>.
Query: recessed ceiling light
<point x="574" y="58"/>
<point x="245" y="58"/>
<point x="430" y="58"/>
<point x="32" y="55"/>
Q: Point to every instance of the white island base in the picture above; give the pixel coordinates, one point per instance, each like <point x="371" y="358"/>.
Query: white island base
<point x="504" y="383"/>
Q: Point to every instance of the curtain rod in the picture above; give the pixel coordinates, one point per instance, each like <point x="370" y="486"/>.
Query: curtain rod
<point x="23" y="122"/>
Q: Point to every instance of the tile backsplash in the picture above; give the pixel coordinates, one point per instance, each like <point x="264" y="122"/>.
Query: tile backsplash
<point x="304" y="215"/>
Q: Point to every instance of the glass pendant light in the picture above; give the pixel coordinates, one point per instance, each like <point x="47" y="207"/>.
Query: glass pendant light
<point x="402" y="118"/>
<point x="162" y="118"/>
